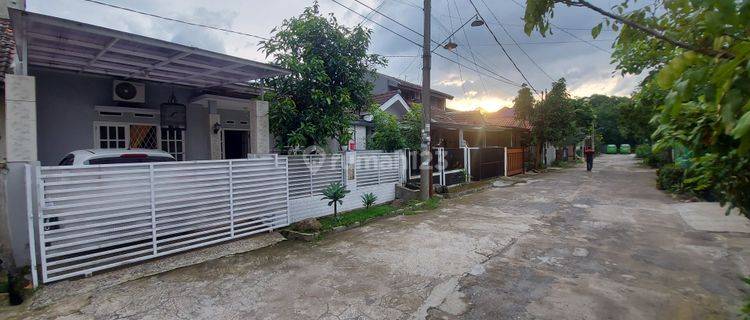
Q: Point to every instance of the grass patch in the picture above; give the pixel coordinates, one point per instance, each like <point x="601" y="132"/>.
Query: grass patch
<point x="357" y="215"/>
<point x="414" y="207"/>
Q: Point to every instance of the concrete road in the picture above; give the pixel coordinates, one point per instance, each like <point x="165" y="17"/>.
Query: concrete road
<point x="565" y="245"/>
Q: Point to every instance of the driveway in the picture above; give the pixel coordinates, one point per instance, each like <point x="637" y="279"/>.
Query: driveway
<point x="564" y="245"/>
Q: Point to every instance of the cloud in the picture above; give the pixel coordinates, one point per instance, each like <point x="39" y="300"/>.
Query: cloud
<point x="453" y="83"/>
<point x="586" y="68"/>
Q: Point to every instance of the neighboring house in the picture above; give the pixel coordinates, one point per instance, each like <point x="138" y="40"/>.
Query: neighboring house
<point x="454" y="129"/>
<point x="394" y="96"/>
<point x="410" y="92"/>
<point x="102" y="88"/>
<point x="79" y="86"/>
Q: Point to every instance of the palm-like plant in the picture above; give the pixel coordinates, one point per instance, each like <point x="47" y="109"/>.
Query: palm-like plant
<point x="368" y="199"/>
<point x="335" y="192"/>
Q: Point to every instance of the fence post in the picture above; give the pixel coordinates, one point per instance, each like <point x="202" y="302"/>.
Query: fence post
<point x="505" y="162"/>
<point x="309" y="169"/>
<point x="153" y="206"/>
<point x="441" y="154"/>
<point x="40" y="219"/>
<point x="231" y="201"/>
<point x="30" y="217"/>
<point x="378" y="160"/>
<point x="288" y="217"/>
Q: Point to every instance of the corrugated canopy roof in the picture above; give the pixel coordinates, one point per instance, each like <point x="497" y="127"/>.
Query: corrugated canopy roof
<point x="66" y="44"/>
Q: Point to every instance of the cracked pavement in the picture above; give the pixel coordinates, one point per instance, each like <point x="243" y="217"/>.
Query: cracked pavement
<point x="564" y="245"/>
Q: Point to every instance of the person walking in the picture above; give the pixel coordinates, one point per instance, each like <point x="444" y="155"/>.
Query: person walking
<point x="589" y="153"/>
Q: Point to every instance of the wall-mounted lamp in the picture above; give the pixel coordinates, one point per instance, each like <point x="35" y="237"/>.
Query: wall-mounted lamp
<point x="217" y="127"/>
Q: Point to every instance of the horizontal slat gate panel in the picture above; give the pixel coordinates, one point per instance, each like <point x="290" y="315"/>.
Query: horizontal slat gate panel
<point x="377" y="168"/>
<point x="102" y="216"/>
<point x="310" y="174"/>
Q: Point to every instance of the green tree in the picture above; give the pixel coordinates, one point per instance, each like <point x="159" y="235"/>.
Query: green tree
<point x="699" y="54"/>
<point x="411" y="127"/>
<point x="329" y="80"/>
<point x="553" y="119"/>
<point x="388" y="135"/>
<point x="560" y="127"/>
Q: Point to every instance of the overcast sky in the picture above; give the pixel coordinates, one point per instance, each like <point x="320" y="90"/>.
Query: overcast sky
<point x="584" y="64"/>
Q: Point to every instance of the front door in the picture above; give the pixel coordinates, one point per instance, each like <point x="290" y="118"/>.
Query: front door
<point x="235" y="144"/>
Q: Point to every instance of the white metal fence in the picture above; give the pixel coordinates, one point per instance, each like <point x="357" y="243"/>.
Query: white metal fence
<point x="98" y="217"/>
<point x="377" y="168"/>
<point x="310" y="174"/>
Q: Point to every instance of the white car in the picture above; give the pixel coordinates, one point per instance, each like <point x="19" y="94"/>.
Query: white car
<point x="109" y="156"/>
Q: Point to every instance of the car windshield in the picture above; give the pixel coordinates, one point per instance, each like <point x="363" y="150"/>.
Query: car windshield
<point x="118" y="159"/>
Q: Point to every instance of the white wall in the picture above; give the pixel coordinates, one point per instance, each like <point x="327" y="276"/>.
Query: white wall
<point x="313" y="207"/>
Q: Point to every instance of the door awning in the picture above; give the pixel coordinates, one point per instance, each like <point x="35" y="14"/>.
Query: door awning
<point x="65" y="44"/>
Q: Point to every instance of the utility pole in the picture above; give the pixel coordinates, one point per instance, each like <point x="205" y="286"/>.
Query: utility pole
<point x="425" y="172"/>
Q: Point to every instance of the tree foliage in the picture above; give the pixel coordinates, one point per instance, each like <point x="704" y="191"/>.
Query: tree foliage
<point x="553" y="119"/>
<point x="387" y="135"/>
<point x="698" y="54"/>
<point x="329" y="80"/>
<point x="411" y="127"/>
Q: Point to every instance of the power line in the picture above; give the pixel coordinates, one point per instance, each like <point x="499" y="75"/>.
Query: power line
<point x="492" y="75"/>
<point x="515" y="42"/>
<point x="468" y="44"/>
<point x="195" y="24"/>
<point x="417" y="33"/>
<point x="569" y="33"/>
<point x="544" y="42"/>
<point x="502" y="47"/>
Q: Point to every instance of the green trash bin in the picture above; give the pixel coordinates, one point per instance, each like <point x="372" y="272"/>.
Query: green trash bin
<point x="625" y="148"/>
<point x="611" y="149"/>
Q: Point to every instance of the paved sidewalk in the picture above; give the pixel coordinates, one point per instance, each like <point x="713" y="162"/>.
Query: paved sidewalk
<point x="564" y="245"/>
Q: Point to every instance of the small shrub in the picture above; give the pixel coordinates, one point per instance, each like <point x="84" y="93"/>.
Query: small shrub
<point x="670" y="177"/>
<point x="642" y="151"/>
<point x="335" y="192"/>
<point x="368" y="199"/>
<point x="464" y="175"/>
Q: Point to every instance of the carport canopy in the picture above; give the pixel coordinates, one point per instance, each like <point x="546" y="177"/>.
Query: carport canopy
<point x="53" y="42"/>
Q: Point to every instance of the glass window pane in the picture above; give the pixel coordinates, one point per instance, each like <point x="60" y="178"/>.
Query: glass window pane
<point x="179" y="147"/>
<point x="121" y="144"/>
<point x="102" y="132"/>
<point x="179" y="134"/>
<point x="112" y="133"/>
<point x="113" y="144"/>
<point x="103" y="144"/>
<point x="164" y="146"/>
<point x="120" y="132"/>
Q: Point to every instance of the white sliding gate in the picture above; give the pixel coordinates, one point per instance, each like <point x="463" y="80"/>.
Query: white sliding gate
<point x="98" y="217"/>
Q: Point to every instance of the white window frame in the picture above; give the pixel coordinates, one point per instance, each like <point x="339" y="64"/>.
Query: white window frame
<point x="127" y="125"/>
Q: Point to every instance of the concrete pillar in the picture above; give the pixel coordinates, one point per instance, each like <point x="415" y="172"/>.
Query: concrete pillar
<point x="214" y="137"/>
<point x="259" y="128"/>
<point x="20" y="118"/>
<point x="20" y="139"/>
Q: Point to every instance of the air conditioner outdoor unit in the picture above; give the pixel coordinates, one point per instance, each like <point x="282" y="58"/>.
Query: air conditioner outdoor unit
<point x="128" y="91"/>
